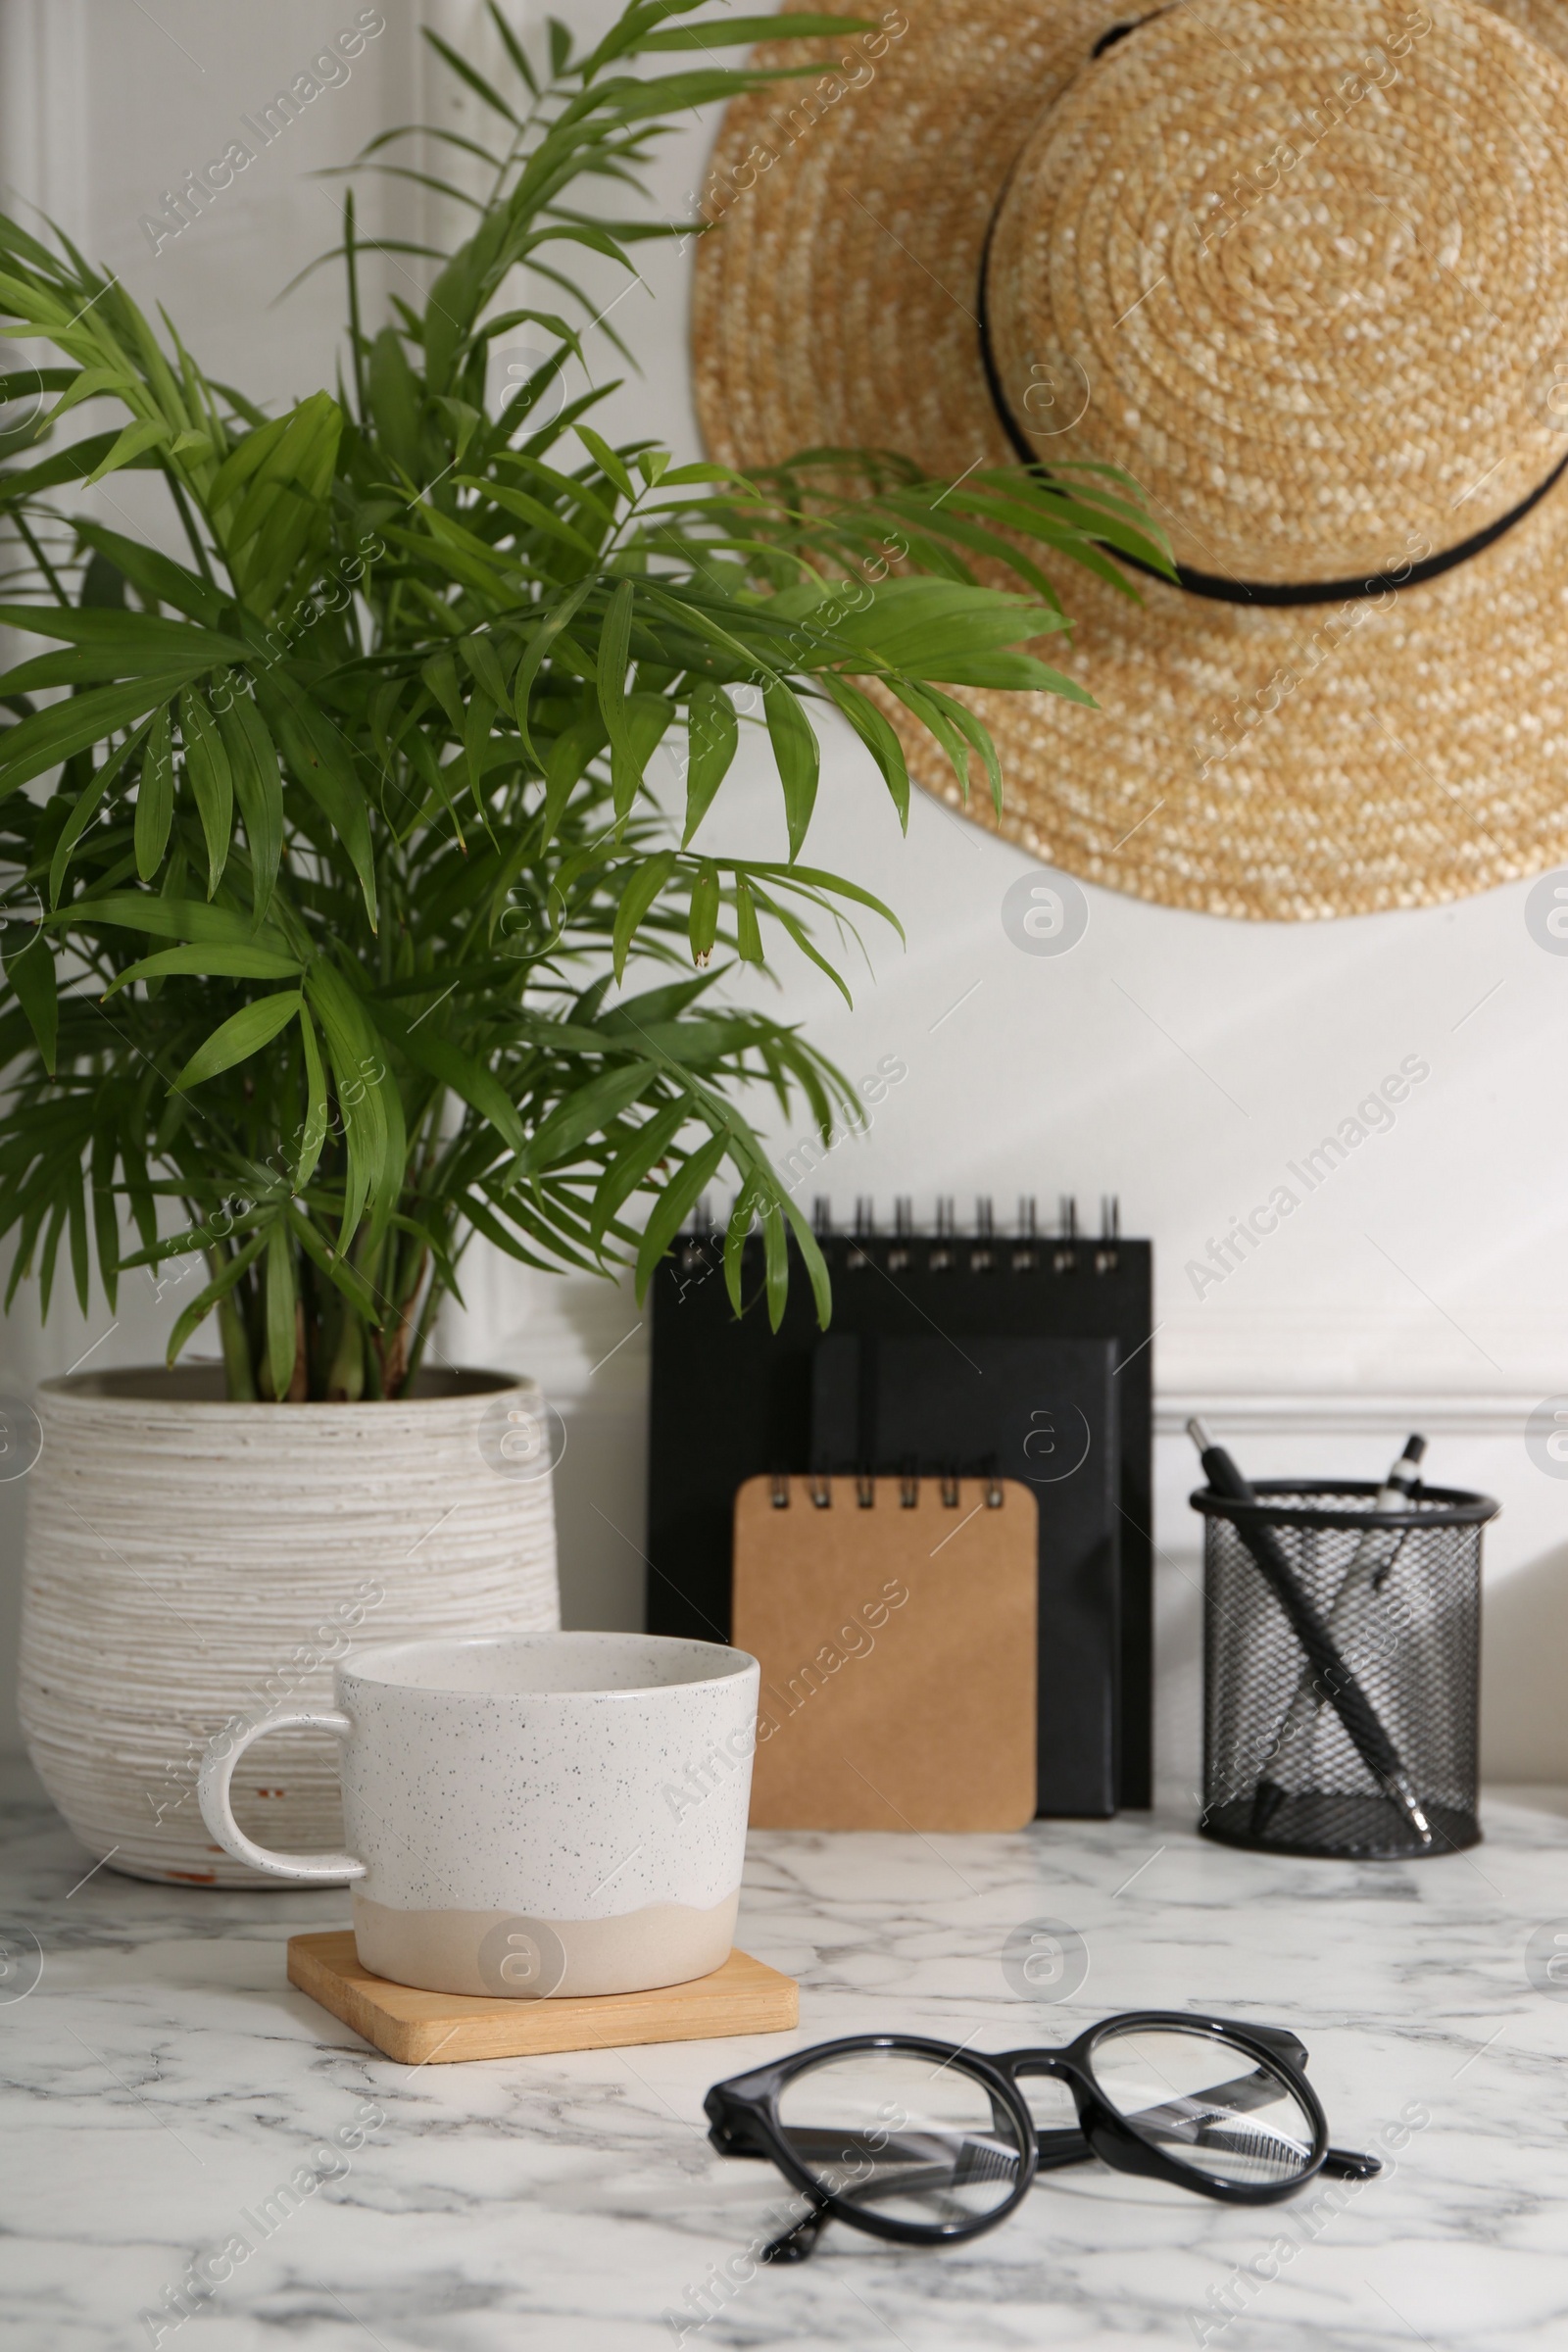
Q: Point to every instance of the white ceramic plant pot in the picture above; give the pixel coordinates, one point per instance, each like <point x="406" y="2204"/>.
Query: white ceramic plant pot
<point x="193" y="1563"/>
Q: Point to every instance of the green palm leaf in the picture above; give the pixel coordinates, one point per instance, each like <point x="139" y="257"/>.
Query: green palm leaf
<point x="425" y="650"/>
<point x="243" y="1034"/>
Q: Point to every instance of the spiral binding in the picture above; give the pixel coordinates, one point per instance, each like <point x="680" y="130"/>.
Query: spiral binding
<point x="985" y="1233"/>
<point x="818" y="1487"/>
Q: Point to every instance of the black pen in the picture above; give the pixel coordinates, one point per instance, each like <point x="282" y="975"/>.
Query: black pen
<point x="1374" y="1557"/>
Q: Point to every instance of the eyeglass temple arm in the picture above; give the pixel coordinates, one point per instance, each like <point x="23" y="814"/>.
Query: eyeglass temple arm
<point x="1063" y="2148"/>
<point x="1065" y="2144"/>
<point x="798" y="2242"/>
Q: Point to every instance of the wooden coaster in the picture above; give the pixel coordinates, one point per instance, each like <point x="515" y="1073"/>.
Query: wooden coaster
<point x="419" y="2028"/>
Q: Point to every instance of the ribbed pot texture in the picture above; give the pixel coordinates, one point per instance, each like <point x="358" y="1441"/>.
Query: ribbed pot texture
<point x="191" y="1560"/>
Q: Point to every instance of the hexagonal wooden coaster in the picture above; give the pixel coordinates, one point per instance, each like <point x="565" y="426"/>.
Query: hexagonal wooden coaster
<point x="434" y="2028"/>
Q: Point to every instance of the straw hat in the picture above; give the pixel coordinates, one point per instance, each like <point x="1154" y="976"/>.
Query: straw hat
<point x="1300" y="268"/>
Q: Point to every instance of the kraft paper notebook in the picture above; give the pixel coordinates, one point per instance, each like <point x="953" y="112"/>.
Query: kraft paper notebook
<point x="1040" y="1410"/>
<point x="895" y="1622"/>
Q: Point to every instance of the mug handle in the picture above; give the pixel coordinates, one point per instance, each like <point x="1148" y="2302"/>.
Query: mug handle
<point x="212" y="1794"/>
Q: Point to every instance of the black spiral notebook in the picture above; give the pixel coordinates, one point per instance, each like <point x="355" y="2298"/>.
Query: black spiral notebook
<point x="731" y="1399"/>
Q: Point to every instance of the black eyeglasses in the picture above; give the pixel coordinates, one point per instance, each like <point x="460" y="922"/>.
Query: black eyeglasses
<point x="926" y="2143"/>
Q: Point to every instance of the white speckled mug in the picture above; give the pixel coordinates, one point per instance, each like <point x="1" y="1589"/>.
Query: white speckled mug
<point x="532" y="1814"/>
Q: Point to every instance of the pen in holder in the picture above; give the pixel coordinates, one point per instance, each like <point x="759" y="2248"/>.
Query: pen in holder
<point x="1341" y="1657"/>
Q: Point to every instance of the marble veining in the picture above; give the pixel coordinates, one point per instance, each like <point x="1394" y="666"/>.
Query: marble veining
<point x="165" y="2095"/>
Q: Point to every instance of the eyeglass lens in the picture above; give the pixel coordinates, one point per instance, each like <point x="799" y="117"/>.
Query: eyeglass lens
<point x="903" y="2134"/>
<point x="1205" y="2102"/>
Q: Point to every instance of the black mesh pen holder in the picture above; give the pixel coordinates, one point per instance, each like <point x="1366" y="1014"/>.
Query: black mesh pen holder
<point x="1400" y="1595"/>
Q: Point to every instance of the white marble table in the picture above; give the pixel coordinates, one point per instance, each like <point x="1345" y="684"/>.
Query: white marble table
<point x="160" y="2079"/>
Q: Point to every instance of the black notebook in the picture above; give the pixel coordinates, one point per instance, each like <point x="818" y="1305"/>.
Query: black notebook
<point x="1043" y="1411"/>
<point x="730" y="1399"/>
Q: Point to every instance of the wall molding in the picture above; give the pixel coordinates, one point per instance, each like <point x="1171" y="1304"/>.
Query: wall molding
<point x="1283" y="1413"/>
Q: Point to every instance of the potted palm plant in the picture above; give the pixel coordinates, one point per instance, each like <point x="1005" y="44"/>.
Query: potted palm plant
<point x="329" y="845"/>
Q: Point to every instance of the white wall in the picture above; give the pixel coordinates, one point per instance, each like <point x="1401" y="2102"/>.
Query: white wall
<point x="1176" y="1060"/>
